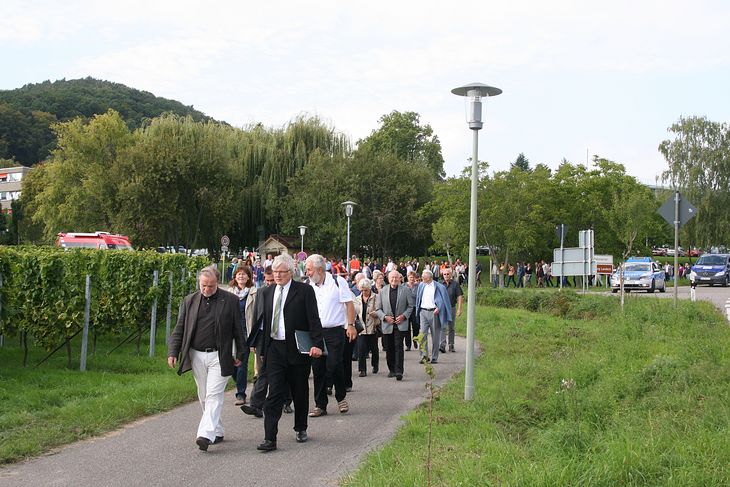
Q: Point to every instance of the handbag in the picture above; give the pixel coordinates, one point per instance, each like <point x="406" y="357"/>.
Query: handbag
<point x="359" y="326"/>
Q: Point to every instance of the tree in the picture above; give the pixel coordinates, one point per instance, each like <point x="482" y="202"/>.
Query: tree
<point x="444" y="233"/>
<point x="630" y="215"/>
<point x="403" y="136"/>
<point x="698" y="161"/>
<point x="79" y="186"/>
<point x="521" y="163"/>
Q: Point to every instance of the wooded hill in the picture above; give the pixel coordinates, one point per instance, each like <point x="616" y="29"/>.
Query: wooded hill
<point x="26" y="113"/>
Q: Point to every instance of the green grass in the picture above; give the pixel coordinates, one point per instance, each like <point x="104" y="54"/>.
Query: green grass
<point x="639" y="399"/>
<point x="49" y="405"/>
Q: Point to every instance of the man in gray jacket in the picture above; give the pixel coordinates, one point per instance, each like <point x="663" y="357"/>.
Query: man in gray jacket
<point x="208" y="322"/>
<point x="394" y="307"/>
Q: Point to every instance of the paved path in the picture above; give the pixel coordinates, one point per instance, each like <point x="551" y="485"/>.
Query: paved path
<point x="161" y="450"/>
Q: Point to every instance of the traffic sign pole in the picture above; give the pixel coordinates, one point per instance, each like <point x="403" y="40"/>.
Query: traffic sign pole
<point x="676" y="244"/>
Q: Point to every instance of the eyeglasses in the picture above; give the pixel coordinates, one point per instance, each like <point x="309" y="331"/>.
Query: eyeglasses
<point x="281" y="272"/>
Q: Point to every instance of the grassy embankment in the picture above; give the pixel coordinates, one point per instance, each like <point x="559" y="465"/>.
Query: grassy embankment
<point x="49" y="405"/>
<point x="579" y="394"/>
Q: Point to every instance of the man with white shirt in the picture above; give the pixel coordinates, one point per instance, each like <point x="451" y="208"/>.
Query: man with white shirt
<point x="337" y="315"/>
<point x="433" y="310"/>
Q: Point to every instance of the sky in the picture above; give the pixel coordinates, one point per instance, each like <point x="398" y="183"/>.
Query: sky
<point x="579" y="78"/>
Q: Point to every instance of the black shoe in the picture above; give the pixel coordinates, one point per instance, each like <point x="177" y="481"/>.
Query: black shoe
<point x="288" y="409"/>
<point x="442" y="349"/>
<point x="375" y="370"/>
<point x="363" y="373"/>
<point x="252" y="411"/>
<point x="452" y="349"/>
<point x="398" y="376"/>
<point x="329" y="391"/>
<point x="203" y="443"/>
<point x="218" y="439"/>
<point x="434" y="361"/>
<point x="391" y="374"/>
<point x="354" y="359"/>
<point x="408" y="349"/>
<point x="302" y="436"/>
<point x="348" y="389"/>
<point x="267" y="445"/>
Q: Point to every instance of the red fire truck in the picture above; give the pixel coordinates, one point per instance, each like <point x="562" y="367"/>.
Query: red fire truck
<point x="95" y="240"/>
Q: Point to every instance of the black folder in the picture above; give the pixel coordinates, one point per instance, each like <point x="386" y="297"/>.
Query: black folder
<point x="305" y="343"/>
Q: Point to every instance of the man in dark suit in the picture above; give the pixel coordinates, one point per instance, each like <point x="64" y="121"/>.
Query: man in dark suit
<point x="394" y="306"/>
<point x="208" y="322"/>
<point x="288" y="306"/>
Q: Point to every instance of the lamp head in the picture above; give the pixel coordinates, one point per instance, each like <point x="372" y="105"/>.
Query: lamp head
<point x="302" y="230"/>
<point x="474" y="92"/>
<point x="348" y="207"/>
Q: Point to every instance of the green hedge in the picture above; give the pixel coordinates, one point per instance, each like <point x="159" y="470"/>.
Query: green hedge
<point x="43" y="288"/>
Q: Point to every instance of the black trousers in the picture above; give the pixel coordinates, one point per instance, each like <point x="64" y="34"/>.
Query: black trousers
<point x="413" y="330"/>
<point x="261" y="387"/>
<point x="329" y="369"/>
<point x="368" y="344"/>
<point x="284" y="379"/>
<point x="394" y="350"/>
<point x="347" y="360"/>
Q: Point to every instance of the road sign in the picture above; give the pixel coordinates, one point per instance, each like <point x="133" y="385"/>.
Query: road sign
<point x="225" y="241"/>
<point x="575" y="262"/>
<point x="686" y="210"/>
<point x="604" y="269"/>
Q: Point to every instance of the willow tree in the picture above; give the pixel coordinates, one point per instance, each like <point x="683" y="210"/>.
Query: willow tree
<point x="267" y="158"/>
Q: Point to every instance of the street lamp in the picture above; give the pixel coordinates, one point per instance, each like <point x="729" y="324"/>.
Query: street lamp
<point x="348" y="213"/>
<point x="302" y="231"/>
<point x="474" y="92"/>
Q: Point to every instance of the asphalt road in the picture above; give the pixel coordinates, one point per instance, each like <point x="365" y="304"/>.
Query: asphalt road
<point x="717" y="295"/>
<point x="160" y="450"/>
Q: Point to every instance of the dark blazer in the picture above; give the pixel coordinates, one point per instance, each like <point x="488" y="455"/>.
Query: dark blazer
<point x="229" y="327"/>
<point x="403" y="306"/>
<point x="300" y="313"/>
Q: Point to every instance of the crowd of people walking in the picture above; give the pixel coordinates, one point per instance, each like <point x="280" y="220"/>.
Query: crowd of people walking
<point x="312" y="317"/>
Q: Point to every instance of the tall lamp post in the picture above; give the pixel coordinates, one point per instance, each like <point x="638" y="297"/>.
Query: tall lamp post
<point x="348" y="213"/>
<point x="474" y="93"/>
<point x="302" y="231"/>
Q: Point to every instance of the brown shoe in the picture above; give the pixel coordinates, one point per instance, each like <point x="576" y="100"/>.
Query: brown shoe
<point x="317" y="412"/>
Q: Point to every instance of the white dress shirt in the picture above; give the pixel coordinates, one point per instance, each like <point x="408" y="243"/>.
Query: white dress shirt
<point x="280" y="333"/>
<point x="331" y="300"/>
<point x="427" y="298"/>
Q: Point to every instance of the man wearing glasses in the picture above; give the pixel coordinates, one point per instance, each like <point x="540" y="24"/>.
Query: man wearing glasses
<point x="289" y="306"/>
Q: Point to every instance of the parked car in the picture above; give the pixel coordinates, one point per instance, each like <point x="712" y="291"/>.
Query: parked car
<point x="659" y="251"/>
<point x="694" y="252"/>
<point x="680" y="252"/>
<point x="640" y="274"/>
<point x="712" y="269"/>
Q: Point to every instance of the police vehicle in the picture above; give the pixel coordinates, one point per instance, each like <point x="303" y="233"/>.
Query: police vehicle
<point x="640" y="274"/>
<point x="712" y="269"/>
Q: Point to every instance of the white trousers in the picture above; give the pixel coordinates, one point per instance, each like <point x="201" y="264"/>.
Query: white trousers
<point x="211" y="388"/>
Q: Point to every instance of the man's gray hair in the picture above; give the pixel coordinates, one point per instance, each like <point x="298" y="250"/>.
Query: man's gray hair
<point x="364" y="283"/>
<point x="317" y="261"/>
<point x="284" y="260"/>
<point x="210" y="271"/>
<point x="427" y="272"/>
